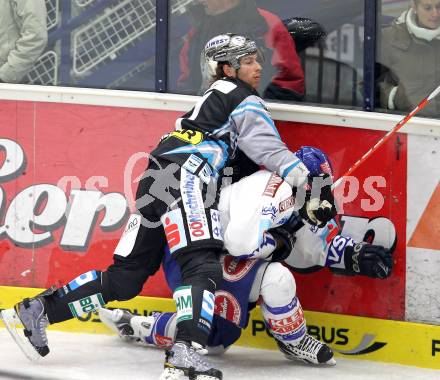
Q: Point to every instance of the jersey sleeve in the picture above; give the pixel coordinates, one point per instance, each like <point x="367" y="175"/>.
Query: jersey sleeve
<point x="253" y="209"/>
<point x="259" y="139"/>
<point x="323" y="247"/>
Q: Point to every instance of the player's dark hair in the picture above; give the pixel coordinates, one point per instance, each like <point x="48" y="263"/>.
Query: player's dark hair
<point x="219" y="72"/>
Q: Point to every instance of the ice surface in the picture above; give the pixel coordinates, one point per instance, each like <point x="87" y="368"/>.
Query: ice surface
<point x="83" y="357"/>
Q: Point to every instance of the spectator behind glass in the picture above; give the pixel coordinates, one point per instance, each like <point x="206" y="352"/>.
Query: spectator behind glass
<point x="23" y="37"/>
<point x="283" y="76"/>
<point x="410" y="56"/>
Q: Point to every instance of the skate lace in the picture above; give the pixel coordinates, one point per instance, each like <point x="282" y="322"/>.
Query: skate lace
<point x="310" y="344"/>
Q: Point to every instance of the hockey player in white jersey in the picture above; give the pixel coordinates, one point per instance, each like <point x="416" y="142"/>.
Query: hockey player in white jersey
<point x="263" y="226"/>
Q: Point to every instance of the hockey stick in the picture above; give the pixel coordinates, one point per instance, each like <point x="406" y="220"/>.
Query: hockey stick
<point x="384" y="139"/>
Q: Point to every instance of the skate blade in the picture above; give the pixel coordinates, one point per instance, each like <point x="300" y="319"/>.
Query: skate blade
<point x="15" y="328"/>
<point x="206" y="377"/>
<point x="172" y="374"/>
<point x="329" y="363"/>
<point x="178" y="374"/>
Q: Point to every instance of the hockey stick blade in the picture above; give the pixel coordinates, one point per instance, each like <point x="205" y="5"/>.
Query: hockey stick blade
<point x="15" y="328"/>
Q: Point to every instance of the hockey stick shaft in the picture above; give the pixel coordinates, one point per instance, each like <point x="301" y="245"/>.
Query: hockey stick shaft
<point x="389" y="134"/>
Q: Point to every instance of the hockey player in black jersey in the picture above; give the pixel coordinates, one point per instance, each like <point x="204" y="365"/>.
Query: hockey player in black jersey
<point x="177" y="200"/>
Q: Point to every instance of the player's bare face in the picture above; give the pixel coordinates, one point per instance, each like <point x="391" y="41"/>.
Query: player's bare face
<point x="250" y="70"/>
<point x="428" y="13"/>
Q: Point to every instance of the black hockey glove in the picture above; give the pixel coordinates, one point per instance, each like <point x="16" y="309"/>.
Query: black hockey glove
<point x="319" y="205"/>
<point x="286" y="234"/>
<point x="369" y="260"/>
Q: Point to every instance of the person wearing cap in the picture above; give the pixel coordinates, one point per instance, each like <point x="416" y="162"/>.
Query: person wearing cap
<point x="177" y="202"/>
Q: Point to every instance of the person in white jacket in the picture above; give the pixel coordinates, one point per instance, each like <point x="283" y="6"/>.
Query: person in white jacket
<point x="23" y="37"/>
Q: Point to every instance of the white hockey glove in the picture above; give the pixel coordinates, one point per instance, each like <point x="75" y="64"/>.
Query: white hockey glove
<point x="319" y="204"/>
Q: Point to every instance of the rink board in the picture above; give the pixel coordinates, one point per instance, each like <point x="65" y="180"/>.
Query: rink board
<point x="350" y="337"/>
<point x="60" y="163"/>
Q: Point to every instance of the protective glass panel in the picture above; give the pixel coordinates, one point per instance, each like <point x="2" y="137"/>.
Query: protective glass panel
<point x="313" y="49"/>
<point x="408" y="47"/>
<point x="99" y="44"/>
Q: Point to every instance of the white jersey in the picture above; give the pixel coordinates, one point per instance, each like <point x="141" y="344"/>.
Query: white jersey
<point x="255" y="204"/>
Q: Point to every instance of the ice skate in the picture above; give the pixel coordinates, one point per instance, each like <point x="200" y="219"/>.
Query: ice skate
<point x="31" y="315"/>
<point x="309" y="350"/>
<point x="134" y="328"/>
<point x="183" y="362"/>
<point x="118" y="320"/>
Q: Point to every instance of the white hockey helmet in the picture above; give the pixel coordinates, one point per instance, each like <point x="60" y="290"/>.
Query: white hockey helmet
<point x="228" y="48"/>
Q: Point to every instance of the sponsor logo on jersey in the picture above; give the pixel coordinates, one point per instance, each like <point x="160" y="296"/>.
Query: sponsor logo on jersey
<point x="235" y="269"/>
<point x="227" y="307"/>
<point x="217" y="232"/>
<point x="206" y="174"/>
<point x="336" y="249"/>
<point x="193" y="163"/>
<point x="289" y="324"/>
<point x="128" y="239"/>
<point x="204" y="325"/>
<point x="272" y="186"/>
<point x="270" y="210"/>
<point x="189" y="136"/>
<point x="184" y="305"/>
<point x="86" y="305"/>
<point x="174" y="230"/>
<point x="194" y="207"/>
<point x="314" y="229"/>
<point x="163" y="341"/>
<point x="286" y="204"/>
<point x="133" y="223"/>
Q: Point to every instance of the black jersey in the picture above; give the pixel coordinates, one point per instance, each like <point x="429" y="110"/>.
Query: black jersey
<point x="229" y="115"/>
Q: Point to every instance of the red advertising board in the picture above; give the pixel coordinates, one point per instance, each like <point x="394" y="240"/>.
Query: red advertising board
<point x="67" y="173"/>
<point x="324" y="291"/>
<point x="74" y="146"/>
